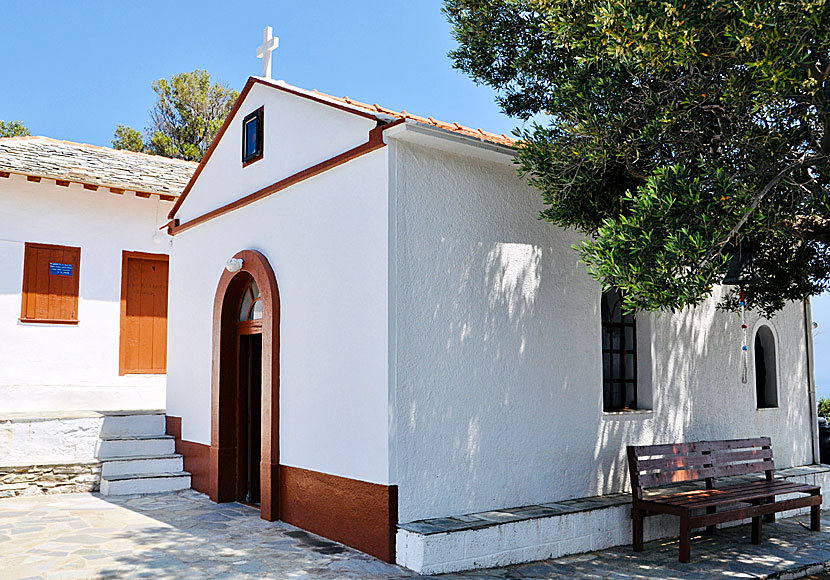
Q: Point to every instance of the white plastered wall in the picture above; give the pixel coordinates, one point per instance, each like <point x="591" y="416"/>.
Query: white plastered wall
<point x="50" y="367"/>
<point x="326" y="240"/>
<point x="498" y="397"/>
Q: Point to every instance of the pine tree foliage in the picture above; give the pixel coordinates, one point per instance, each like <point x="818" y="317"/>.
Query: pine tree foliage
<point x="187" y="115"/>
<point x="13" y="129"/>
<point x="128" y="138"/>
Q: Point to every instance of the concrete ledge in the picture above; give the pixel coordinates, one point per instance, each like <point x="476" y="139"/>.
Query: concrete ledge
<point x="48" y="463"/>
<point x="540" y="532"/>
<point x="34" y="417"/>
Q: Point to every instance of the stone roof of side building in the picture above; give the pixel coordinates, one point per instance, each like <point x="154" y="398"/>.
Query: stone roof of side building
<point x="380" y="111"/>
<point x="94" y="166"/>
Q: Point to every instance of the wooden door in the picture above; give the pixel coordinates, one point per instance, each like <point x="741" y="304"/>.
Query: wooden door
<point x="143" y="313"/>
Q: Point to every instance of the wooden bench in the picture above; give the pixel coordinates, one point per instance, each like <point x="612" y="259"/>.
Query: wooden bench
<point x="653" y="466"/>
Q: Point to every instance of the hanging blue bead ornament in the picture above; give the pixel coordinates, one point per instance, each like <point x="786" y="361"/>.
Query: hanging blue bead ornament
<point x="740" y="271"/>
<point x="744" y="346"/>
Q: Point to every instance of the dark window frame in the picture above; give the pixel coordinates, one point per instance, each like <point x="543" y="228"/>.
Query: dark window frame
<point x="249" y="157"/>
<point x="619" y="393"/>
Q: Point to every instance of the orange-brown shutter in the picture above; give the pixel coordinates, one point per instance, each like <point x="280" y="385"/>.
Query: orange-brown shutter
<point x="51" y="279"/>
<point x="144" y="313"/>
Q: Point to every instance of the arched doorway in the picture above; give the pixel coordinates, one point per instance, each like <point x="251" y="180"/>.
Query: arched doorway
<point x="244" y="449"/>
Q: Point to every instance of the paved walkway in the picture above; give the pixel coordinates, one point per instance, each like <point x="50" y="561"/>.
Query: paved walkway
<point x="185" y="536"/>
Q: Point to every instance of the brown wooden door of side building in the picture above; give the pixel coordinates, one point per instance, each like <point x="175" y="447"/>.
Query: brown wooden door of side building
<point x="143" y="313"/>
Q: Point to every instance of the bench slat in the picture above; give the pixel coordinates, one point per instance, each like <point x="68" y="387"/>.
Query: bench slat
<point x="667" y="477"/>
<point x="737" y="443"/>
<point x="680" y="461"/>
<point x="696" y="461"/>
<point x="732" y="494"/>
<point x="749" y="485"/>
<point x="681" y="475"/>
<point x="742" y="468"/>
<point x="667" y="449"/>
<point x="728" y="456"/>
<point x="699" y="446"/>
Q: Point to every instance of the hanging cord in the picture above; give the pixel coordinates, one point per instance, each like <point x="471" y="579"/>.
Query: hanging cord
<point x="744" y="346"/>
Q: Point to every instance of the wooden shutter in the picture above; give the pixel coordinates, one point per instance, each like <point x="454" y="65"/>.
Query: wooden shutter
<point x="51" y="279"/>
<point x="143" y="313"/>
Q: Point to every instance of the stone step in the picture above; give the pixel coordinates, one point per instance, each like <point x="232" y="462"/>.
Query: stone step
<point x="142" y="464"/>
<point x="141" y="483"/>
<point x="141" y="445"/>
<point x="132" y="424"/>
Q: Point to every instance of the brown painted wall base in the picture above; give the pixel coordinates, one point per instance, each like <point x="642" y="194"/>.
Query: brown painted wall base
<point x="361" y="515"/>
<point x="196" y="456"/>
<point x="356" y="513"/>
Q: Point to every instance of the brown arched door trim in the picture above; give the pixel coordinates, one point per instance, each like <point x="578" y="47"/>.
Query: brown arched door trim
<point x="225" y="378"/>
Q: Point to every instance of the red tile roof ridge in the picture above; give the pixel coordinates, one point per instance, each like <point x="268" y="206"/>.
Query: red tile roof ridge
<point x="403" y="114"/>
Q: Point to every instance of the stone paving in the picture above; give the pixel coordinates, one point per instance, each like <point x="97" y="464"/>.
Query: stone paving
<point x="185" y="536"/>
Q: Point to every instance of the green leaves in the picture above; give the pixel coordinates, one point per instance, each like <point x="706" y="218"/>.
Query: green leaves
<point x="188" y="113"/>
<point x="13" y="129"/>
<point x="677" y="132"/>
<point x="128" y="138"/>
<point x="656" y="251"/>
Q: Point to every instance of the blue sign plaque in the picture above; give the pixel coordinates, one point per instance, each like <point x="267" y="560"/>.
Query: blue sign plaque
<point x="58" y="269"/>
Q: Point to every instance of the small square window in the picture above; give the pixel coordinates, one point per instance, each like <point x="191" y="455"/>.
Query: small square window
<point x="252" y="134"/>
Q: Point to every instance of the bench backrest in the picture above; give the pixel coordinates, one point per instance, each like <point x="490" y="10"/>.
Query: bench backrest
<point x="657" y="465"/>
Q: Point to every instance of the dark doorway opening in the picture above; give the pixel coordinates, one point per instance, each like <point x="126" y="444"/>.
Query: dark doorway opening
<point x="250" y="381"/>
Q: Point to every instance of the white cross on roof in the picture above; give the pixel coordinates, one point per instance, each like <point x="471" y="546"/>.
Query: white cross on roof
<point x="269" y="45"/>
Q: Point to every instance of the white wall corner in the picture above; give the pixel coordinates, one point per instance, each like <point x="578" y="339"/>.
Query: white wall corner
<point x="392" y="308"/>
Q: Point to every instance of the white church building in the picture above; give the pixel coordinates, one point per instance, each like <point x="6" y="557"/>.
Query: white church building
<point x="352" y="318"/>
<point x="373" y="337"/>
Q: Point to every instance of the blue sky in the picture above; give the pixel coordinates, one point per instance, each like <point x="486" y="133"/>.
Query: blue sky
<point x="74" y="70"/>
<point x="80" y="68"/>
<point x="821" y="315"/>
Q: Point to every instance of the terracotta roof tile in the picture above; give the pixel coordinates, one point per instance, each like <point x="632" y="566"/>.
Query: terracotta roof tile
<point x="94" y="165"/>
<point x="375" y="108"/>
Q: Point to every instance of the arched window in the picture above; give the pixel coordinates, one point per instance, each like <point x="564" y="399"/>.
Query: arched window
<point x="619" y="355"/>
<point x="766" y="373"/>
<point x="251" y="306"/>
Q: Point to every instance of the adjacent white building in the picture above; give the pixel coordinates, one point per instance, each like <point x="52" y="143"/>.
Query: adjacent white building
<point x="71" y="217"/>
<point x="83" y="298"/>
<point x="370" y="332"/>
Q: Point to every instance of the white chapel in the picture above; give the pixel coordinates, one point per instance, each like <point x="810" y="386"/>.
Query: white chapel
<point x="373" y="336"/>
<point x="370" y="335"/>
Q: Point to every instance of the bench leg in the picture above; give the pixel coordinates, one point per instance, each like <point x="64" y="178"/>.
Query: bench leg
<point x="815" y="518"/>
<point x="637" y="528"/>
<point x="756" y="529"/>
<point x="685" y="539"/>
<point x="770" y="518"/>
<point x="710" y="530"/>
